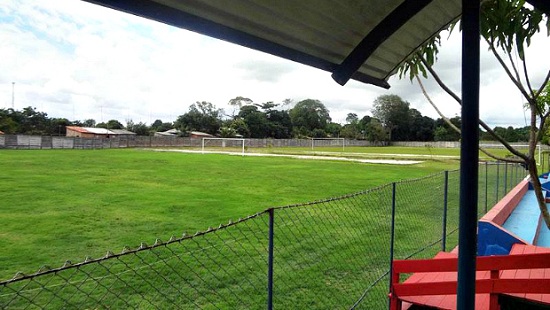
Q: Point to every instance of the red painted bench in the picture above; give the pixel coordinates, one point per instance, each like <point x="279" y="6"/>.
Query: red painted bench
<point x="434" y="282"/>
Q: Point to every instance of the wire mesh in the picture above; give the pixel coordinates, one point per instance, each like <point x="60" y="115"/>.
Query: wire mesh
<point x="419" y="217"/>
<point x="221" y="268"/>
<point x="330" y="254"/>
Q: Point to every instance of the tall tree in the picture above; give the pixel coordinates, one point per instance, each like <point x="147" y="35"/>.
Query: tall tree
<point x="238" y="102"/>
<point x="140" y="129"/>
<point x="394" y="115"/>
<point x="333" y="129"/>
<point x="444" y="130"/>
<point x="507" y="26"/>
<point x="202" y="116"/>
<point x="279" y="122"/>
<point x="111" y="124"/>
<point x="421" y="127"/>
<point x="8" y="124"/>
<point x="255" y="120"/>
<point x="309" y="114"/>
<point x="352" y="129"/>
<point x="375" y="132"/>
<point x="27" y="121"/>
<point x="159" y="125"/>
<point x="89" y="123"/>
<point x="59" y="125"/>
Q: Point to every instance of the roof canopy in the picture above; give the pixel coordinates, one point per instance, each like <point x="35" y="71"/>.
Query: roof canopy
<point x="362" y="40"/>
<point x="365" y="40"/>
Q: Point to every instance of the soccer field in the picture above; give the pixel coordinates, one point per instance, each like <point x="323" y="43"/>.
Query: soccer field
<point x="393" y="152"/>
<point x="62" y="205"/>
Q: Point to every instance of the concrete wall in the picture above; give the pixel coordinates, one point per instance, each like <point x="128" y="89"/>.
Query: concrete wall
<point x="49" y="142"/>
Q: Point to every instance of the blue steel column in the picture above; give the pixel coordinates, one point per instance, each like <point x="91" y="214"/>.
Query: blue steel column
<point x="392" y="235"/>
<point x="469" y="156"/>
<point x="270" y="261"/>
<point x="445" y="203"/>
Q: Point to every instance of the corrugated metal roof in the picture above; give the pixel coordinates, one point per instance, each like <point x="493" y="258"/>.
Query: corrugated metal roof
<point x="318" y="33"/>
<point x="77" y="129"/>
<point x="122" y="132"/>
<point x="91" y="130"/>
<point x="200" y="133"/>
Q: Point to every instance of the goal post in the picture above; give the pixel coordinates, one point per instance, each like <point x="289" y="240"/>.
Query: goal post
<point x="524" y="148"/>
<point x="223" y="143"/>
<point x="329" y="142"/>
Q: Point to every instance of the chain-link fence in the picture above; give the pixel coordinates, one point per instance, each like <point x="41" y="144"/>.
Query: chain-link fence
<point x="330" y="254"/>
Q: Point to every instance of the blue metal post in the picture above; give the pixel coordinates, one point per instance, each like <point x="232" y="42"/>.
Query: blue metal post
<point x="486" y="186"/>
<point x="445" y="196"/>
<point x="392" y="236"/>
<point x="469" y="156"/>
<point x="270" y="261"/>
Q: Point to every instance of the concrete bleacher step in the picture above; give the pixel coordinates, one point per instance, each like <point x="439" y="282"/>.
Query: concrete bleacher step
<point x="524" y="221"/>
<point x="543" y="238"/>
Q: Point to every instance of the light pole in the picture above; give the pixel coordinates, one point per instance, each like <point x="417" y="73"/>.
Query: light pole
<point x="12" y="95"/>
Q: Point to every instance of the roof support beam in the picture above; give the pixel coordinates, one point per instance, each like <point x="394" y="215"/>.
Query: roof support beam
<point x="543" y="5"/>
<point x="388" y="26"/>
<point x="159" y="12"/>
<point x="469" y="156"/>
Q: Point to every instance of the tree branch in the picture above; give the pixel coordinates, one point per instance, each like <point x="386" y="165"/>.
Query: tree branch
<point x="530" y="88"/>
<point x="518" y="77"/>
<point x="438" y="80"/>
<point x="503" y="64"/>
<point x="435" y="107"/>
<point x="543" y="85"/>
<point x="484" y="151"/>
<point x="506" y="159"/>
<point x="481" y="122"/>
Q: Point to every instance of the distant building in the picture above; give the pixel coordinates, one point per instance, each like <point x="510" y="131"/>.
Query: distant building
<point x="176" y="132"/>
<point x="92" y="132"/>
<point x="198" y="134"/>
<point x="168" y="133"/>
<point x="123" y="133"/>
<point x="87" y="132"/>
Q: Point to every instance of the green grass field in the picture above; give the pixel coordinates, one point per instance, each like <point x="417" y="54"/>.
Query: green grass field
<point x="62" y="205"/>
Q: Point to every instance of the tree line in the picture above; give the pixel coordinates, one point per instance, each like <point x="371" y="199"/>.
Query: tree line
<point x="392" y="120"/>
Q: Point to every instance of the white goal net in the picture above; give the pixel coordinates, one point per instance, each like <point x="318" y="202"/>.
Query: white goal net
<point x="328" y="142"/>
<point x="232" y="145"/>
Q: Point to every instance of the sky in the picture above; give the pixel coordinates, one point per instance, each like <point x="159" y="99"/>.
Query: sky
<point x="78" y="61"/>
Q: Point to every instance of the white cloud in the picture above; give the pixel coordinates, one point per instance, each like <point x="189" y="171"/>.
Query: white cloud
<point x="77" y="60"/>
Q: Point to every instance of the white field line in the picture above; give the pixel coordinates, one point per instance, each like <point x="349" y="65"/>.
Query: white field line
<point x="389" y="155"/>
<point x="368" y="161"/>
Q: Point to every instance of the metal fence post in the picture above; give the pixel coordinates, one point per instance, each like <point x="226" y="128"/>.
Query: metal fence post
<point x="270" y="261"/>
<point x="486" y="186"/>
<point x="445" y="196"/>
<point x="392" y="236"/>
<point x="505" y="178"/>
<point x="498" y="179"/>
<point x="514" y="175"/>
